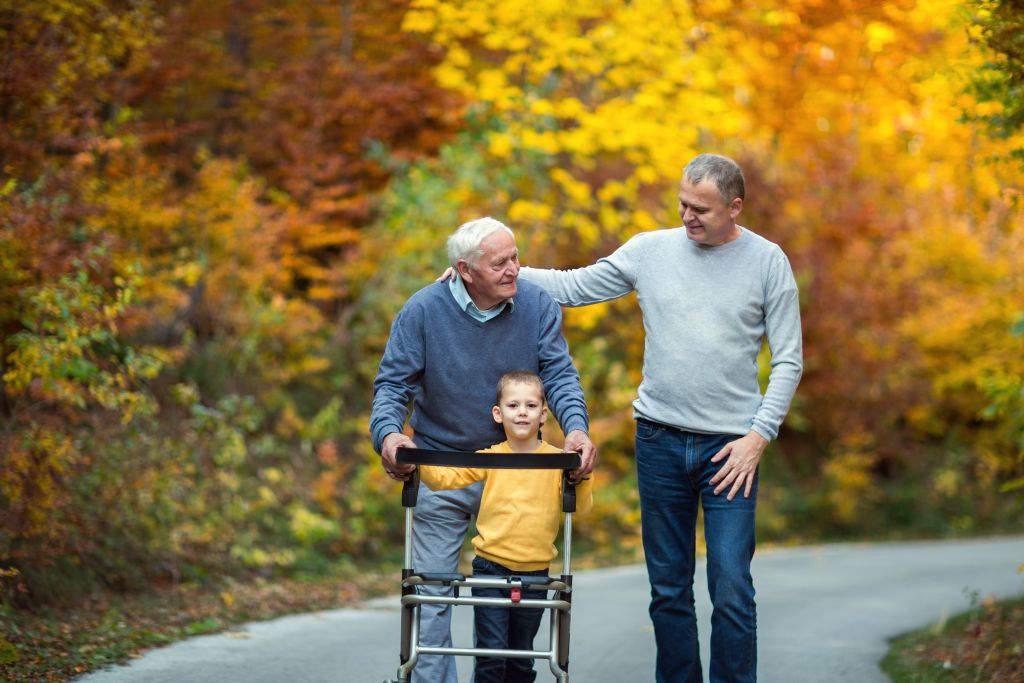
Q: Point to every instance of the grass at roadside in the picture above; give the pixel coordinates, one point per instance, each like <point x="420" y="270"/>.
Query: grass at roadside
<point x="983" y="645"/>
<point x="60" y="644"/>
<point x="55" y="645"/>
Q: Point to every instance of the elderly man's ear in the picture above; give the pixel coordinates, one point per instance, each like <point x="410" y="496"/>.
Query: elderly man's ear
<point x="465" y="272"/>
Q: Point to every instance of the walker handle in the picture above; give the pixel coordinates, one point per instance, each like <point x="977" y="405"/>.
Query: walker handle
<point x="504" y="461"/>
<point x="568" y="493"/>
<point x="410" y="488"/>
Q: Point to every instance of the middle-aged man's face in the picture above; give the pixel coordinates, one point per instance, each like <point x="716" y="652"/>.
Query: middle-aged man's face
<point x="493" y="278"/>
<point x="708" y="219"/>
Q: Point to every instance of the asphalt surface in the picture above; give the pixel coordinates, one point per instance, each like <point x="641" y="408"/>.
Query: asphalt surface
<point x="825" y="614"/>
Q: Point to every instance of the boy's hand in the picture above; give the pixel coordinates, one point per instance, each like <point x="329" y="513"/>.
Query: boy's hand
<point x="388" y="456"/>
<point x="577" y="440"/>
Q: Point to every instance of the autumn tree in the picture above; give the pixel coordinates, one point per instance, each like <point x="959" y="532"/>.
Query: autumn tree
<point x="1000" y="82"/>
<point x="300" y="90"/>
<point x="845" y="116"/>
<point x="183" y="187"/>
<point x="210" y="211"/>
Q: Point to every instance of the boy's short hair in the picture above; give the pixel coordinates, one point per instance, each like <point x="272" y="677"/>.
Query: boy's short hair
<point x="518" y="377"/>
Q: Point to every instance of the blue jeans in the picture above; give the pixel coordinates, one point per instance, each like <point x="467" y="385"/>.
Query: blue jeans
<point x="674" y="469"/>
<point x="505" y="628"/>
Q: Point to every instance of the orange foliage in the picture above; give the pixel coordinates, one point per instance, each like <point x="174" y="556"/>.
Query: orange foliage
<point x="299" y="90"/>
<point x="210" y="210"/>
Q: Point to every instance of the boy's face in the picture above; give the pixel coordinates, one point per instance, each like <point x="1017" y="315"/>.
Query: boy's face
<point x="521" y="410"/>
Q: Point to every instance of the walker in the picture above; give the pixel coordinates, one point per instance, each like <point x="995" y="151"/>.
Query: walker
<point x="560" y="602"/>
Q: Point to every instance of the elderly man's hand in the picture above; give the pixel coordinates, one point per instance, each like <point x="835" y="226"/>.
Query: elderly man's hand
<point x="388" y="456"/>
<point x="577" y="440"/>
<point x="742" y="457"/>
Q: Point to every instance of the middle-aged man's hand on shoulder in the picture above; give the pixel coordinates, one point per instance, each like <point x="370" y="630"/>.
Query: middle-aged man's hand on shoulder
<point x="388" y="456"/>
<point x="577" y="440"/>
<point x="742" y="457"/>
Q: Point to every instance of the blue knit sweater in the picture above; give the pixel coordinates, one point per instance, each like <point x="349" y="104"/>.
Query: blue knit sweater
<point x="448" y="364"/>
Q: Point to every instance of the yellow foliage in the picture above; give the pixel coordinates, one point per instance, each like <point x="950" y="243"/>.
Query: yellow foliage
<point x="308" y="527"/>
<point x="850" y="483"/>
<point x="500" y="145"/>
<point x="879" y="36"/>
<point x="31" y="479"/>
<point x="587" y="317"/>
<point x="582" y="81"/>
<point x="522" y="211"/>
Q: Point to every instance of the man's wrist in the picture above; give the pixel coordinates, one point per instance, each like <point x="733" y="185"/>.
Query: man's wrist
<point x="381" y="435"/>
<point x="760" y="440"/>
<point x="577" y="435"/>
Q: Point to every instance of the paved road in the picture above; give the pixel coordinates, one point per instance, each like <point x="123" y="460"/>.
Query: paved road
<point x="825" y="614"/>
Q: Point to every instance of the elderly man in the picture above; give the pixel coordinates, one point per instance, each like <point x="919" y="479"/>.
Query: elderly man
<point x="448" y="347"/>
<point x="709" y="291"/>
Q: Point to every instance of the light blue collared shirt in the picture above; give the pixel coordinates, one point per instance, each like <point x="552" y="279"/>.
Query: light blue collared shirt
<point x="465" y="302"/>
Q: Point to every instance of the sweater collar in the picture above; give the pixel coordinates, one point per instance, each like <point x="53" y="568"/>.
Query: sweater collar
<point x="458" y="289"/>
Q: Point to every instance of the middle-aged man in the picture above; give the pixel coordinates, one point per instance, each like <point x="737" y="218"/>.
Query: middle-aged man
<point x="709" y="291"/>
<point x="448" y="347"/>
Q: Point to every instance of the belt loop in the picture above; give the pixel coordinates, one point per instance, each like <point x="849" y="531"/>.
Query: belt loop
<point x="660" y="425"/>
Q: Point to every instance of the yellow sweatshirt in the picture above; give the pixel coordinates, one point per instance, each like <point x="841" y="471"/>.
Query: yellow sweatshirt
<point x="520" y="510"/>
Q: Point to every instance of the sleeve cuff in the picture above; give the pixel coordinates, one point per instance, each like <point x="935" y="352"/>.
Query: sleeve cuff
<point x="380" y="434"/>
<point x="576" y="424"/>
<point x="768" y="435"/>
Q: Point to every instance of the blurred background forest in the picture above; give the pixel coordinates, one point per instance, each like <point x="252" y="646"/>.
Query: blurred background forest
<point x="211" y="210"/>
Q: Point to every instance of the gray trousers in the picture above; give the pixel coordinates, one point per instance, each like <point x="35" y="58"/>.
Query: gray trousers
<point x="440" y="522"/>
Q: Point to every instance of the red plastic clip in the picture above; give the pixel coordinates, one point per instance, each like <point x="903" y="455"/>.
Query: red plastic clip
<point x="517" y="594"/>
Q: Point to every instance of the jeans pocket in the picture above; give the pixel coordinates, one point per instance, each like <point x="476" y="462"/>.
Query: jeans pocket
<point x="646" y="431"/>
<point x="482" y="567"/>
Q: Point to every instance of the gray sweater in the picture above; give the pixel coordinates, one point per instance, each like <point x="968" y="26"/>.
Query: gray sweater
<point x="705" y="311"/>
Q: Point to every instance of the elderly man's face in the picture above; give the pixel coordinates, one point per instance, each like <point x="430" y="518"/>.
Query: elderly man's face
<point x="708" y="219"/>
<point x="493" y="278"/>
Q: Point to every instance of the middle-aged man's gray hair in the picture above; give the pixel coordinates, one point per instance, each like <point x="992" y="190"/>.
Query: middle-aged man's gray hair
<point x="722" y="171"/>
<point x="464" y="244"/>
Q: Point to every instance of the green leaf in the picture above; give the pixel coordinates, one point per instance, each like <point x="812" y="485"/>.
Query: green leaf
<point x="8" y="653"/>
<point x="1013" y="485"/>
<point x="80" y="369"/>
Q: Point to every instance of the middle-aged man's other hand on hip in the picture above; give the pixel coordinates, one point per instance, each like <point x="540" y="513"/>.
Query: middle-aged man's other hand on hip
<point x="388" y="456"/>
<point x="741" y="459"/>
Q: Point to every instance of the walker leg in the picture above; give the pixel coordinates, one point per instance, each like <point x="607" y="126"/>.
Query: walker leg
<point x="555" y="663"/>
<point x="563" y="626"/>
<point x="409" y="645"/>
<point x="410" y="642"/>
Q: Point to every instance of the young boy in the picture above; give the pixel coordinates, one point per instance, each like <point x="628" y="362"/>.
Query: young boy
<point x="520" y="514"/>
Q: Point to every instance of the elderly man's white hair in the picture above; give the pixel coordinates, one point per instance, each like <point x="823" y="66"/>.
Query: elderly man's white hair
<point x="464" y="244"/>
